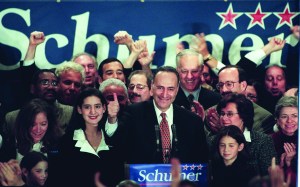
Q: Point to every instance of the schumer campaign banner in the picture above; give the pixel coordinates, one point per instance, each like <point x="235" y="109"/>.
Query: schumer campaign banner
<point x="232" y="28"/>
<point x="159" y="175"/>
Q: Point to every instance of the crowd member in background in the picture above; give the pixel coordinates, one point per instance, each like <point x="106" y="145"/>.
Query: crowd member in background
<point x="254" y="90"/>
<point x="44" y="85"/>
<point x="112" y="86"/>
<point x="229" y="165"/>
<point x="89" y="64"/>
<point x="35" y="130"/>
<point x="208" y="78"/>
<point x="111" y="68"/>
<point x="191" y="95"/>
<point x="34" y="166"/>
<point x="233" y="79"/>
<point x="286" y="139"/>
<point x="139" y="84"/>
<point x="70" y="80"/>
<point x="84" y="149"/>
<point x="275" y="85"/>
<point x="236" y="109"/>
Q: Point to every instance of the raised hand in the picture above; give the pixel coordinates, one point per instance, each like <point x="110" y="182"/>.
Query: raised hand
<point x="275" y="44"/>
<point x="36" y="38"/>
<point x="175" y="172"/>
<point x="199" y="44"/>
<point x="213" y="120"/>
<point x="138" y="46"/>
<point x="113" y="108"/>
<point x="136" y="49"/>
<point x="277" y="176"/>
<point x="10" y="174"/>
<point x="144" y="58"/>
<point x="290" y="152"/>
<point x="123" y="38"/>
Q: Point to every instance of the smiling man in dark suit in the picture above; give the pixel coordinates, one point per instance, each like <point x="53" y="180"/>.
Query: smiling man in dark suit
<point x="148" y="136"/>
<point x="189" y="66"/>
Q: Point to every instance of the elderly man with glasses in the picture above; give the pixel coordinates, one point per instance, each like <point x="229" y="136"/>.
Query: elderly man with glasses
<point x="233" y="79"/>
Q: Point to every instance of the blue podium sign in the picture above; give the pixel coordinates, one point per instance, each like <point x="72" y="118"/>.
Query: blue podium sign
<point x="160" y="174"/>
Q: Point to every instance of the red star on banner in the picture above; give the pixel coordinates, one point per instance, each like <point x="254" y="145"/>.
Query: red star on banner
<point x="228" y="17"/>
<point x="185" y="167"/>
<point x="285" y="17"/>
<point x="257" y="17"/>
<point x="199" y="167"/>
<point x="192" y="167"/>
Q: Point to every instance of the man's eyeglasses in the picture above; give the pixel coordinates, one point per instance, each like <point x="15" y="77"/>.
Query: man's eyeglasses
<point x="229" y="85"/>
<point x="46" y="82"/>
<point x="111" y="98"/>
<point x="139" y="87"/>
<point x="251" y="96"/>
<point x="228" y="114"/>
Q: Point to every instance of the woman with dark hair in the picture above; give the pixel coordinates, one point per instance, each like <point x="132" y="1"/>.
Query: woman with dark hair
<point x="35" y="130"/>
<point x="229" y="165"/>
<point x="84" y="148"/>
<point x="236" y="109"/>
<point x="34" y="166"/>
<point x="286" y="139"/>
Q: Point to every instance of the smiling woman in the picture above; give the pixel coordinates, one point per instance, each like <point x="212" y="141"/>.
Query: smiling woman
<point x="84" y="148"/>
<point x="35" y="130"/>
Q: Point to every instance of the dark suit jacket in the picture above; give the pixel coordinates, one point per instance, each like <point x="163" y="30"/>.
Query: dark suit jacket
<point x="138" y="135"/>
<point x="207" y="98"/>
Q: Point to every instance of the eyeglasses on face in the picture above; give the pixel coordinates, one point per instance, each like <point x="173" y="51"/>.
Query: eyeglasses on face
<point x="251" y="96"/>
<point x="228" y="114"/>
<point x="228" y="85"/>
<point x="111" y="98"/>
<point x="139" y="87"/>
<point x="46" y="82"/>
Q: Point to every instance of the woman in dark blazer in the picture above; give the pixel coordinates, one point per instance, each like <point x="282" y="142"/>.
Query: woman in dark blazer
<point x="84" y="149"/>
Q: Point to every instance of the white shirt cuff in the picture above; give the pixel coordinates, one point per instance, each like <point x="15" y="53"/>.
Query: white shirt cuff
<point x="256" y="56"/>
<point x="28" y="62"/>
<point x="110" y="129"/>
<point x="216" y="70"/>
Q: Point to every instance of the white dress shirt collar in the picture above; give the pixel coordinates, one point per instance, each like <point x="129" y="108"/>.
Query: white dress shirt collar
<point x="85" y="146"/>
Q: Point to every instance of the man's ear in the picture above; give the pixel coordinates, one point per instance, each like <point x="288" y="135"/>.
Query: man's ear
<point x="241" y="147"/>
<point x="243" y="85"/>
<point x="99" y="79"/>
<point x="151" y="90"/>
<point x="79" y="110"/>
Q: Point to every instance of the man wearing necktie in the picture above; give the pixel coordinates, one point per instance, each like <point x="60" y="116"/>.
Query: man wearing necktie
<point x="155" y="131"/>
<point x="191" y="95"/>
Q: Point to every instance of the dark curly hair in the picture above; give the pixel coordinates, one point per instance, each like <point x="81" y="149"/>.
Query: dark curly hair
<point x="244" y="107"/>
